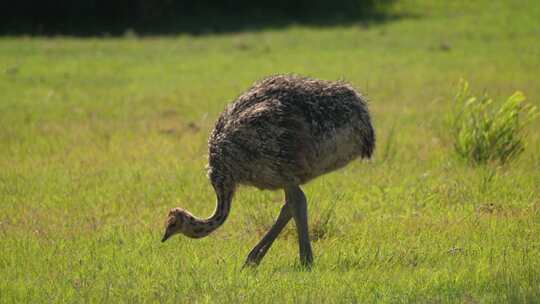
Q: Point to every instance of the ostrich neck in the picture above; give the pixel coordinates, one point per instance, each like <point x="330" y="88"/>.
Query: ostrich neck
<point x="200" y="227"/>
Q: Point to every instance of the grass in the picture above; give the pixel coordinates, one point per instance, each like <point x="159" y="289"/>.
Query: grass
<point x="99" y="138"/>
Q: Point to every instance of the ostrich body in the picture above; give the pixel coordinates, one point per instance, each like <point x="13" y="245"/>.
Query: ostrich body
<point x="281" y="133"/>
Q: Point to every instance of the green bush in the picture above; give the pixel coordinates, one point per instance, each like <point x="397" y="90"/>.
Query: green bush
<point x="91" y="17"/>
<point x="484" y="131"/>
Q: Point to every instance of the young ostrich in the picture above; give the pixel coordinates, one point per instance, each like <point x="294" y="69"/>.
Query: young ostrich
<point x="281" y="133"/>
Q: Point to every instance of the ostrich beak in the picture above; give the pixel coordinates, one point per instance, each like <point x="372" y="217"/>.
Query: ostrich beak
<point x="165" y="236"/>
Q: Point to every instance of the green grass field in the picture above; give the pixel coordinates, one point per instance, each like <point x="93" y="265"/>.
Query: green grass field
<point x="99" y="138"/>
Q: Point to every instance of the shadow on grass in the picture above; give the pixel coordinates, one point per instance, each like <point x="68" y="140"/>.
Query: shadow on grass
<point x="147" y="18"/>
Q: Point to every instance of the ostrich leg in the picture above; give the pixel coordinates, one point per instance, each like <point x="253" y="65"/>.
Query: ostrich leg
<point x="258" y="252"/>
<point x="299" y="210"/>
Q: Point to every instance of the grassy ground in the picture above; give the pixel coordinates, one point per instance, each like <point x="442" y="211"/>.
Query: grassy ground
<point x="99" y="138"/>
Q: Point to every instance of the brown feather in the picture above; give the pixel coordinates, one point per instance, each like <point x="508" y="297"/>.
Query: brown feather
<point x="287" y="130"/>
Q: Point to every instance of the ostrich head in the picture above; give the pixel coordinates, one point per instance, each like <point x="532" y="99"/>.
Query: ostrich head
<point x="182" y="221"/>
<point x="176" y="223"/>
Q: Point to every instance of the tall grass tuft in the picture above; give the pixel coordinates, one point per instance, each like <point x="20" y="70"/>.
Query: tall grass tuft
<point x="484" y="131"/>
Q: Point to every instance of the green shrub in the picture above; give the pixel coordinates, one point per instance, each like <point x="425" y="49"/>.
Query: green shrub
<point x="484" y="131"/>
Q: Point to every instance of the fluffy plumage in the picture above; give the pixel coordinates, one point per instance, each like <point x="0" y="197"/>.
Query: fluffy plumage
<point x="288" y="130"/>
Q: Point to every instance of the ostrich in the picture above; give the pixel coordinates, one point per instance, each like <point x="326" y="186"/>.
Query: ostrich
<point x="283" y="132"/>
